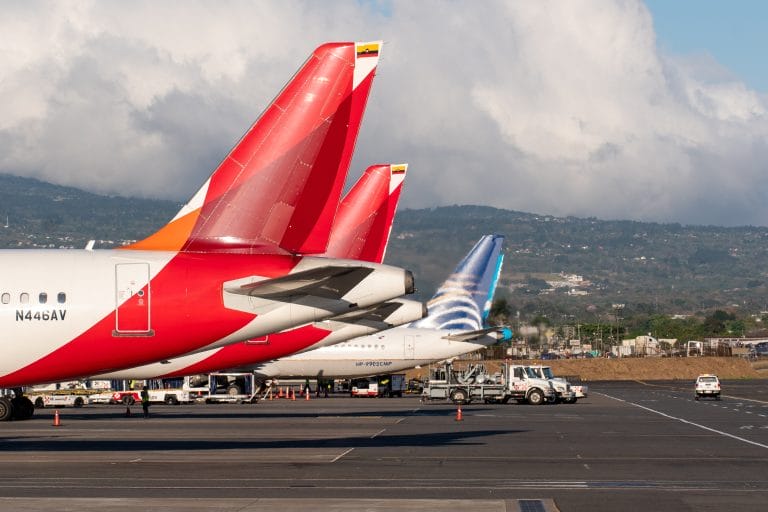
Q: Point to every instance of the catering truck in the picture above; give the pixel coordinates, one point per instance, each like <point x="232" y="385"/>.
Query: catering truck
<point x="513" y="382"/>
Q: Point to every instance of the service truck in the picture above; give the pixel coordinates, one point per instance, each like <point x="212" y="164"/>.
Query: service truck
<point x="388" y="385"/>
<point x="513" y="382"/>
<point x="566" y="392"/>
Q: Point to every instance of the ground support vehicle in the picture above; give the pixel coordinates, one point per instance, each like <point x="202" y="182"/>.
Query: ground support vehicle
<point x="379" y="386"/>
<point x="66" y="394"/>
<point x="707" y="386"/>
<point x="133" y="396"/>
<point x="60" y="399"/>
<point x="232" y="388"/>
<point x="566" y="392"/>
<point x="475" y="384"/>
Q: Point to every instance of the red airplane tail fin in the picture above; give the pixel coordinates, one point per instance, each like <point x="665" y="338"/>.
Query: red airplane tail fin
<point x="364" y="220"/>
<point x="278" y="189"/>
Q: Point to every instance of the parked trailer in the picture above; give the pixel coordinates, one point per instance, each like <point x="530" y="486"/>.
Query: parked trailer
<point x="232" y="388"/>
<point x="475" y="384"/>
<point x="388" y="385"/>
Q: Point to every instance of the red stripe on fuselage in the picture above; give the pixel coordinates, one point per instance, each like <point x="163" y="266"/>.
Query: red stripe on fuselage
<point x="243" y="355"/>
<point x="187" y="314"/>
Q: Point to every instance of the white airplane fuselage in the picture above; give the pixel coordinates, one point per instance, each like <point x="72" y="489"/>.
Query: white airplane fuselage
<point x="68" y="313"/>
<point x="389" y="351"/>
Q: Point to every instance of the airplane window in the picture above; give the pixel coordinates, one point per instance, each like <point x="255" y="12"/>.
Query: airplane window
<point x="6" y="298"/>
<point x="62" y="297"/>
<point x="24" y="298"/>
<point x="43" y="297"/>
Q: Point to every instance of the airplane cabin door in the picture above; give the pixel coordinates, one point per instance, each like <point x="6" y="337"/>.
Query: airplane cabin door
<point x="409" y="345"/>
<point x="132" y="300"/>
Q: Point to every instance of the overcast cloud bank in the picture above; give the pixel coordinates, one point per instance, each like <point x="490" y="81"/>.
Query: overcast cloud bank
<point x="564" y="108"/>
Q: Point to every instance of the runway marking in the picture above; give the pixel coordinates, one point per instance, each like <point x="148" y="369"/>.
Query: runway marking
<point x="747" y="399"/>
<point x="379" y="432"/>
<point x="726" y="434"/>
<point x="340" y="456"/>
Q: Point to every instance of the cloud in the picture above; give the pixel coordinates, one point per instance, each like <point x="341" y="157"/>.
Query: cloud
<point x="566" y="108"/>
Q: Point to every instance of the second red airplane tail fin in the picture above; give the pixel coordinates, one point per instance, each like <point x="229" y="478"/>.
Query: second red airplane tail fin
<point x="364" y="220"/>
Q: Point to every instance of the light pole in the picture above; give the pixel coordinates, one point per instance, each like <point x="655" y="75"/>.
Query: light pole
<point x="617" y="311"/>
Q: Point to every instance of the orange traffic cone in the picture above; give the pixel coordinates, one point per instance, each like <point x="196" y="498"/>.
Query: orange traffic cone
<point x="56" y="419"/>
<point x="307" y="394"/>
<point x="459" y="417"/>
<point x="279" y="392"/>
<point x="293" y="395"/>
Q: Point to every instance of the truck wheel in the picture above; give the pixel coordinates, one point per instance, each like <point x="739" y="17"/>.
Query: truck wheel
<point x="458" y="396"/>
<point x="234" y="389"/>
<point x="535" y="397"/>
<point x="79" y="402"/>
<point x="6" y="409"/>
<point x="129" y="400"/>
<point x="505" y="400"/>
<point x="570" y="400"/>
<point x="39" y="403"/>
<point x="171" y="400"/>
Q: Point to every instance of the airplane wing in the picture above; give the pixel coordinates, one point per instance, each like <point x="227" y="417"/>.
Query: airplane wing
<point x="331" y="282"/>
<point x="501" y="332"/>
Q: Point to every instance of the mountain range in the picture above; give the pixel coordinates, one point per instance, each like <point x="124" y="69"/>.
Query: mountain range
<point x="562" y="267"/>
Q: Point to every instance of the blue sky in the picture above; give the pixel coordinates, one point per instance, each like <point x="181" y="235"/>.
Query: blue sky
<point x="734" y="33"/>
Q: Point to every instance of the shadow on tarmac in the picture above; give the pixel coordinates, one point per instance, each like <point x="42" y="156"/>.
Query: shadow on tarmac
<point x="26" y="444"/>
<point x="250" y="411"/>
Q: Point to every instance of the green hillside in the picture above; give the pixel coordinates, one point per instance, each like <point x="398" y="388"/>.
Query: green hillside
<point x="665" y="268"/>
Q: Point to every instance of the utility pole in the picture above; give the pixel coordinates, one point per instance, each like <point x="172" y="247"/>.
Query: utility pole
<point x="617" y="311"/>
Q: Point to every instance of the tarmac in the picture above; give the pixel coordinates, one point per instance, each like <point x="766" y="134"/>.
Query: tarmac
<point x="628" y="446"/>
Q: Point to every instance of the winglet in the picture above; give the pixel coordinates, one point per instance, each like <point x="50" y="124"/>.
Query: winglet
<point x="364" y="221"/>
<point x="278" y="188"/>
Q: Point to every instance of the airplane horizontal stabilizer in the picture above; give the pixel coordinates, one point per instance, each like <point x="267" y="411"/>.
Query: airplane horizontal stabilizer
<point x="330" y="282"/>
<point x="501" y="334"/>
<point x="378" y="313"/>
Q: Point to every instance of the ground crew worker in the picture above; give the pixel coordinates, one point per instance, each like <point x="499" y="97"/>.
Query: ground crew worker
<point x="145" y="401"/>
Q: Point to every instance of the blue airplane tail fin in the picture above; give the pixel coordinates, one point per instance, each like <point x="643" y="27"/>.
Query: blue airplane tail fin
<point x="464" y="299"/>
